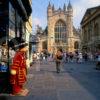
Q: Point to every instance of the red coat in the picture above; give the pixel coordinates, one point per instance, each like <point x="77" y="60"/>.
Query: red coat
<point x="19" y="65"/>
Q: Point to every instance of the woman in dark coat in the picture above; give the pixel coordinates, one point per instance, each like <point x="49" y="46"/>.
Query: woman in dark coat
<point x="58" y="59"/>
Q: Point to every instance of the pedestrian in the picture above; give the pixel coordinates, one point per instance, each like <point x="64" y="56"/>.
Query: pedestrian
<point x="41" y="57"/>
<point x="50" y="57"/>
<point x="4" y="57"/>
<point x="85" y="56"/>
<point x="80" y="58"/>
<point x="71" y="56"/>
<point x="18" y="69"/>
<point x="11" y="55"/>
<point x="4" y="53"/>
<point x="98" y="61"/>
<point x="90" y="56"/>
<point x="67" y="57"/>
<point x="58" y="59"/>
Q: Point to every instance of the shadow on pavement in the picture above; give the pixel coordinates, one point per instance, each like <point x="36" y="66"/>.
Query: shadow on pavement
<point x="86" y="76"/>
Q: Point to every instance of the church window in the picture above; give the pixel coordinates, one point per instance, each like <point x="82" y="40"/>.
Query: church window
<point x="60" y="32"/>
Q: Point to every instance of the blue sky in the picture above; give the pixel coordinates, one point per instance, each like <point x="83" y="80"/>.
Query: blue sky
<point x="39" y="14"/>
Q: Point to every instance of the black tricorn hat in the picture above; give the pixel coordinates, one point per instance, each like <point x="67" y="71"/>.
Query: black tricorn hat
<point x="17" y="43"/>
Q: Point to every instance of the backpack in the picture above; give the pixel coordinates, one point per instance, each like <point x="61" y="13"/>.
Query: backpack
<point x="60" y="57"/>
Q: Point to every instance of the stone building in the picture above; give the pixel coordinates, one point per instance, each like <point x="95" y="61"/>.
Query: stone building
<point x="42" y="36"/>
<point x="91" y="30"/>
<point x="61" y="32"/>
<point x="27" y="36"/>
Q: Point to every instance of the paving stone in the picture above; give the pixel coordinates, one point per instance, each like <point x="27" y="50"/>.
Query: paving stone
<point x="74" y="82"/>
<point x="75" y="95"/>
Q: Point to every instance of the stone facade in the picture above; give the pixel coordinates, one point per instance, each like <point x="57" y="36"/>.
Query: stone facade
<point x="42" y="36"/>
<point x="61" y="19"/>
<point x="91" y="30"/>
<point x="28" y="33"/>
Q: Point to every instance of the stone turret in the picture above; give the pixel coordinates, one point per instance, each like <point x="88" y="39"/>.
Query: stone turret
<point x="59" y="10"/>
<point x="64" y="7"/>
<point x="53" y="8"/>
<point x="70" y="9"/>
<point x="69" y="6"/>
<point x="70" y="25"/>
<point x="49" y="10"/>
<point x="49" y="6"/>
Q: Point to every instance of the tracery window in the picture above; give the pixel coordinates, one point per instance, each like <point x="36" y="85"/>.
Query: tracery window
<point x="60" y="32"/>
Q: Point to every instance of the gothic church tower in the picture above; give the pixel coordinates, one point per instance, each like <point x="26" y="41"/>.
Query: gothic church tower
<point x="60" y="28"/>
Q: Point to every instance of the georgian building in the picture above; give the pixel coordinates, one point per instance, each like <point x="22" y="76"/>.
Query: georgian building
<point x="42" y="39"/>
<point x="61" y="32"/>
<point x="91" y="30"/>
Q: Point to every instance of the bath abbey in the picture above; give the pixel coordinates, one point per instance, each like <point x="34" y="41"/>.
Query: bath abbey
<point x="60" y="30"/>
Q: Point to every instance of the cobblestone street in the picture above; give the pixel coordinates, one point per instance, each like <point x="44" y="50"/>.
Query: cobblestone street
<point x="75" y="82"/>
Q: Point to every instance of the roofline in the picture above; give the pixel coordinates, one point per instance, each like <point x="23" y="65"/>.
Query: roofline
<point x="89" y="10"/>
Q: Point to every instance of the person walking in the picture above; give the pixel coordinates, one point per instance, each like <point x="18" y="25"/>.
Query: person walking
<point x="98" y="61"/>
<point x="58" y="59"/>
<point x="80" y="58"/>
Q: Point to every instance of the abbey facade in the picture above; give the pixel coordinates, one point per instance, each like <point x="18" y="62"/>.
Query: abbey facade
<point x="61" y="32"/>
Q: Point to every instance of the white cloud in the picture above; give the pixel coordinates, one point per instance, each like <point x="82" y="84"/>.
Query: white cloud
<point x="90" y="3"/>
<point x="36" y="21"/>
<point x="80" y="7"/>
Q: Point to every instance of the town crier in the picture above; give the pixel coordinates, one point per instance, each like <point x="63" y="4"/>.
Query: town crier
<point x="18" y="69"/>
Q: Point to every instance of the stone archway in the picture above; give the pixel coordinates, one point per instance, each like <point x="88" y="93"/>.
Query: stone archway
<point x="76" y="45"/>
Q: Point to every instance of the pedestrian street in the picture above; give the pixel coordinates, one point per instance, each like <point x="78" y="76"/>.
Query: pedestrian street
<point x="74" y="82"/>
